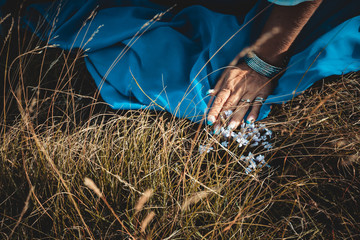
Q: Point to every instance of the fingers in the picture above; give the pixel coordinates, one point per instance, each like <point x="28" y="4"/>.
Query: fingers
<point x="219" y="84"/>
<point x="240" y="112"/>
<point x="232" y="103"/>
<point x="217" y="106"/>
<point x="238" y="89"/>
<point x="254" y="113"/>
<point x="212" y="114"/>
<point x="225" y="96"/>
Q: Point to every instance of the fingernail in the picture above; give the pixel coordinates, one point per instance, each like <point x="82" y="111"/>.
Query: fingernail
<point x="251" y="119"/>
<point x="247" y="122"/>
<point x="211" y="120"/>
<point x="216" y="130"/>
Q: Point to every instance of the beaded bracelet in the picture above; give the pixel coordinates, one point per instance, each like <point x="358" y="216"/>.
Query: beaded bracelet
<point x="261" y="67"/>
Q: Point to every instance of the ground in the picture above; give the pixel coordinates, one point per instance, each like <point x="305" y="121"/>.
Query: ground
<point x="149" y="180"/>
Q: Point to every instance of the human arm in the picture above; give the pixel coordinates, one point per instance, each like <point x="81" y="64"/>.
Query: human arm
<point x="243" y="82"/>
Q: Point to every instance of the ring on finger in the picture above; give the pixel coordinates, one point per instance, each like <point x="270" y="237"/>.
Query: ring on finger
<point x="259" y="99"/>
<point x="246" y="100"/>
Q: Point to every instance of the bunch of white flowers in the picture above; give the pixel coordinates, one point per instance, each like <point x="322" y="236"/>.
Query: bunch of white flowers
<point x="250" y="135"/>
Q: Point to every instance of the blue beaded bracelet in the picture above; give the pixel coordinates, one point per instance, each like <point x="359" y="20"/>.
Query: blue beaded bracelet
<point x="261" y="67"/>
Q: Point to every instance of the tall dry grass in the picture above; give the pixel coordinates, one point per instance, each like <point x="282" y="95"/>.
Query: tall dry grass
<point x="144" y="177"/>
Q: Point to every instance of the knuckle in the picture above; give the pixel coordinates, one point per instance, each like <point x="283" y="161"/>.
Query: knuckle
<point x="240" y="112"/>
<point x="218" y="100"/>
<point x="222" y="96"/>
<point x="226" y="90"/>
<point x="215" y="110"/>
<point x="229" y="104"/>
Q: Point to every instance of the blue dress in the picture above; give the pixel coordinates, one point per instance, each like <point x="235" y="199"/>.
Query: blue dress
<point x="169" y="62"/>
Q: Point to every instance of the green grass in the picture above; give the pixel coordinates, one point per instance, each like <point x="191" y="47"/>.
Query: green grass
<point x="55" y="133"/>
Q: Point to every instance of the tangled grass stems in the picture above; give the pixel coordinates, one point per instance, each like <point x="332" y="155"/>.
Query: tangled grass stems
<point x="115" y="146"/>
<point x="311" y="192"/>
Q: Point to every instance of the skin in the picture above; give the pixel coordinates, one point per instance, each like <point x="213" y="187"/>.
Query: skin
<point x="241" y="82"/>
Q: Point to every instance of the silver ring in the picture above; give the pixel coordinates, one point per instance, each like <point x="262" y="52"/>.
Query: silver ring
<point x="246" y="100"/>
<point x="259" y="99"/>
<point x="210" y="91"/>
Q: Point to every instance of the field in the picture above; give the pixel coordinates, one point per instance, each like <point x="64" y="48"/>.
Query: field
<point x="72" y="168"/>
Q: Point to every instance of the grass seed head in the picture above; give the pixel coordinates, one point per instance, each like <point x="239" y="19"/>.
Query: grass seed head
<point x="90" y="184"/>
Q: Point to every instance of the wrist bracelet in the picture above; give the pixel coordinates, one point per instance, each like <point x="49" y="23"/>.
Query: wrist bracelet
<point x="261" y="67"/>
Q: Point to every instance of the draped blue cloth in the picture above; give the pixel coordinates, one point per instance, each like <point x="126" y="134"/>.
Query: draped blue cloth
<point x="171" y="63"/>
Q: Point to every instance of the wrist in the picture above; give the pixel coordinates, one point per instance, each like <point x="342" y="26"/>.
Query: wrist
<point x="262" y="67"/>
<point x="275" y="59"/>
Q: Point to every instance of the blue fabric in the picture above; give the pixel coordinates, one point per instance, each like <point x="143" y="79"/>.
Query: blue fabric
<point x="164" y="67"/>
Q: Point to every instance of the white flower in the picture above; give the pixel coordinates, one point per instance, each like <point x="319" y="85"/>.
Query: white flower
<point x="249" y="134"/>
<point x="252" y="164"/>
<point x="256" y="139"/>
<point x="261" y="164"/>
<point x="247" y="170"/>
<point x="250" y="125"/>
<point x="268" y="133"/>
<point x="228" y="113"/>
<point x="260" y="158"/>
<point x="226" y="133"/>
<point x="239" y="137"/>
<point x="242" y="141"/>
<point x="268" y="146"/>
<point x="250" y="157"/>
<point x="254" y="134"/>
<point x="206" y="149"/>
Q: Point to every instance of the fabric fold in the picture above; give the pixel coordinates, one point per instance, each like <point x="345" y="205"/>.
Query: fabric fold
<point x="171" y="63"/>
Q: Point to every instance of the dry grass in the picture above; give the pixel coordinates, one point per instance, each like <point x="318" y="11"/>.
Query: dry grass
<point x="149" y="180"/>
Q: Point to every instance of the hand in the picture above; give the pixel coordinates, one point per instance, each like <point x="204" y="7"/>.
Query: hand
<point x="234" y="87"/>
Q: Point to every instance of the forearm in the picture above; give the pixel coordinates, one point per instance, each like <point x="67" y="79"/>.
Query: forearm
<point x="240" y="86"/>
<point x="290" y="20"/>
